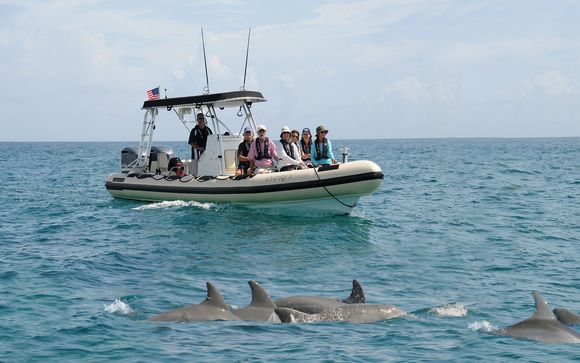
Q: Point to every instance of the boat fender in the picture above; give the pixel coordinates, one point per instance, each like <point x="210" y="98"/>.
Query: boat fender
<point x="204" y="178"/>
<point x="158" y="177"/>
<point x="187" y="178"/>
<point x="240" y="177"/>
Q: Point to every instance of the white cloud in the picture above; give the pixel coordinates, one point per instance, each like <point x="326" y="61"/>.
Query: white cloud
<point x="492" y="50"/>
<point x="443" y="90"/>
<point x="216" y="66"/>
<point x="550" y="83"/>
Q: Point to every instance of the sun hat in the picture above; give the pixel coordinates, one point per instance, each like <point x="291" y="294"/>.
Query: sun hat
<point x="262" y="127"/>
<point x="285" y="129"/>
<point x="320" y="128"/>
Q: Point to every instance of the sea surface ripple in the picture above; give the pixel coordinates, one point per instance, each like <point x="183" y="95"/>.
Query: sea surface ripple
<point x="460" y="233"/>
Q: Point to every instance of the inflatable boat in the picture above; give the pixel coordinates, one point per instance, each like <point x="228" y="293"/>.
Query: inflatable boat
<point x="153" y="173"/>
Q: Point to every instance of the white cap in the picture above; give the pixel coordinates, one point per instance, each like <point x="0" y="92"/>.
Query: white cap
<point x="262" y="127"/>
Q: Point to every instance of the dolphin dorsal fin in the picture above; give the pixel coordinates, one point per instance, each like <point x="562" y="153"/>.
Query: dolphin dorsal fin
<point x="214" y="298"/>
<point x="357" y="295"/>
<point x="543" y="311"/>
<point x="260" y="297"/>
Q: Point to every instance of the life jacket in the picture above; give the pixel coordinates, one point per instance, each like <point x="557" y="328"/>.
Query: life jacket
<point x="246" y="148"/>
<point x="305" y="147"/>
<point x="287" y="148"/>
<point x="244" y="151"/>
<point x="324" y="154"/>
<point x="266" y="153"/>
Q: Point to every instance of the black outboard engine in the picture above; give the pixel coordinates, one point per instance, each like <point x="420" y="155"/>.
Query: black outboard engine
<point x="159" y="159"/>
<point x="128" y="155"/>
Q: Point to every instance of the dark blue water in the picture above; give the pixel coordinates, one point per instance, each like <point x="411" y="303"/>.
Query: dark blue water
<point x="471" y="226"/>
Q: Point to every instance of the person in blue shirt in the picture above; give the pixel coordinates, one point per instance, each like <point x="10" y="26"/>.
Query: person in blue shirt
<point x="321" y="148"/>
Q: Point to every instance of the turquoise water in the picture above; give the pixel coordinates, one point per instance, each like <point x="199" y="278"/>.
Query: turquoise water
<point x="472" y="226"/>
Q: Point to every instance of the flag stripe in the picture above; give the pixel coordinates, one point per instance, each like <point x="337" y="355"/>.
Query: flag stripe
<point x="153" y="94"/>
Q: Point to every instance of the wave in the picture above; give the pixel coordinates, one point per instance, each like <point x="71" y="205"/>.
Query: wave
<point x="118" y="307"/>
<point x="449" y="310"/>
<point x="176" y="204"/>
<point x="483" y="325"/>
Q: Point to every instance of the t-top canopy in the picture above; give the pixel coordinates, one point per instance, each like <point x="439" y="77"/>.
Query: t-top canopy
<point x="226" y="99"/>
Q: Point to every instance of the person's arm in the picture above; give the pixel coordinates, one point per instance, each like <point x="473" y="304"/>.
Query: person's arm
<point x="313" y="153"/>
<point x="191" y="140"/>
<point x="330" y="154"/>
<point x="297" y="156"/>
<point x="273" y="151"/>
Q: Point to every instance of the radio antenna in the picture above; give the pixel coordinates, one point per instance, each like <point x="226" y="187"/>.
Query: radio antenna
<point x="206" y="89"/>
<point x="246" y="66"/>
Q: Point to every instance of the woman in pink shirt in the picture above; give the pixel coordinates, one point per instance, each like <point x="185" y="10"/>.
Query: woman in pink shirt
<point x="262" y="151"/>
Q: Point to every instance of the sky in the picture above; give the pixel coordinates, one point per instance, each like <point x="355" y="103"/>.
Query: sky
<point x="78" y="70"/>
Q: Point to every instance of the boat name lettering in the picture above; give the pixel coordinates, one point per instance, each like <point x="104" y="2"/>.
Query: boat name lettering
<point x="278" y="178"/>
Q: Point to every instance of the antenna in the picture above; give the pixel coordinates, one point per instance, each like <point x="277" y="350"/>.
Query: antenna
<point x="206" y="89"/>
<point x="246" y="67"/>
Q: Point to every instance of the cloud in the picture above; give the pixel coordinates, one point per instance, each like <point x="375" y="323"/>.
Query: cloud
<point x="497" y="49"/>
<point x="442" y="90"/>
<point x="217" y="67"/>
<point x="550" y="83"/>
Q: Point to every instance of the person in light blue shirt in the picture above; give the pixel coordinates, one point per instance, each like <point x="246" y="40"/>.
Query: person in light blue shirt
<point x="321" y="148"/>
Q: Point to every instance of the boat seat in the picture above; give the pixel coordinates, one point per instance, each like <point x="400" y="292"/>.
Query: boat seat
<point x="230" y="160"/>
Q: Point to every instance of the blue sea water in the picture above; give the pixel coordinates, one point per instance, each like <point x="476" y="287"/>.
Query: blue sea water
<point x="460" y="232"/>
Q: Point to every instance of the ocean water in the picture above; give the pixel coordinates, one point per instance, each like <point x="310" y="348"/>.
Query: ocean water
<point x="460" y="233"/>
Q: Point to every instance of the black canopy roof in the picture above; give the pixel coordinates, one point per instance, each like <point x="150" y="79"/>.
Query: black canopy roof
<point x="219" y="99"/>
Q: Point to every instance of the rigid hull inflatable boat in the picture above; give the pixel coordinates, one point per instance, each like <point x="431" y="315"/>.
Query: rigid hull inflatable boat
<point x="148" y="172"/>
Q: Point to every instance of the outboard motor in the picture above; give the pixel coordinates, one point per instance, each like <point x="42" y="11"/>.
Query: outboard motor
<point x="159" y="158"/>
<point x="128" y="155"/>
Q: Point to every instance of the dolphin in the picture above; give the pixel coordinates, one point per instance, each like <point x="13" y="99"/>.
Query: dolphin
<point x="212" y="308"/>
<point x="566" y="316"/>
<point x="318" y="304"/>
<point x="354" y="313"/>
<point x="261" y="308"/>
<point x="542" y="326"/>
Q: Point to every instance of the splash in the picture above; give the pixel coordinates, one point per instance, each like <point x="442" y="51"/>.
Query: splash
<point x="118" y="307"/>
<point x="176" y="204"/>
<point x="483" y="325"/>
<point x="450" y="310"/>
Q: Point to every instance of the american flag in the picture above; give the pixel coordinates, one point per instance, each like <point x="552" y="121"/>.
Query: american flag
<point x="153" y="94"/>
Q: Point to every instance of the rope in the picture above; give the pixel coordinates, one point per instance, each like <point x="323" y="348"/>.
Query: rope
<point x="329" y="193"/>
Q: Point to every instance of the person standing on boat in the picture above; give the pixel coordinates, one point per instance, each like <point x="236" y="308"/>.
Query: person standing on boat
<point x="321" y="148"/>
<point x="262" y="151"/>
<point x="198" y="140"/>
<point x="304" y="147"/>
<point x="243" y="151"/>
<point x="289" y="154"/>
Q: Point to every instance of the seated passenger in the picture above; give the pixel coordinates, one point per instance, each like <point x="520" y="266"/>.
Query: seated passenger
<point x="289" y="154"/>
<point x="243" y="150"/>
<point x="175" y="167"/>
<point x="321" y="148"/>
<point x="262" y="151"/>
<point x="304" y="146"/>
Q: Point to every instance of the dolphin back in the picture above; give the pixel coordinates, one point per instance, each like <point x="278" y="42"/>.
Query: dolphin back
<point x="357" y="295"/>
<point x="214" y="298"/>
<point x="566" y="316"/>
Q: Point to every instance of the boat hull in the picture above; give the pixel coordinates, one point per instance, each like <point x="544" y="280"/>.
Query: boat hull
<point x="334" y="189"/>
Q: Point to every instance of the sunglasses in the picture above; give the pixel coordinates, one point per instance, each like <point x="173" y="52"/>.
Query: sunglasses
<point x="295" y="135"/>
<point x="324" y="132"/>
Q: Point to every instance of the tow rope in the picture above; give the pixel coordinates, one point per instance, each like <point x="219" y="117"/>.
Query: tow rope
<point x="329" y="193"/>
